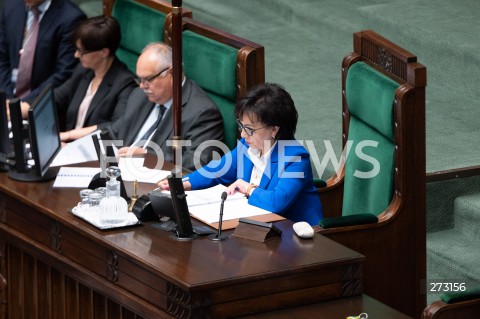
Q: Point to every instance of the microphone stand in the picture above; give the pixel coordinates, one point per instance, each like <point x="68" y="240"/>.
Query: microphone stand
<point x="218" y="236"/>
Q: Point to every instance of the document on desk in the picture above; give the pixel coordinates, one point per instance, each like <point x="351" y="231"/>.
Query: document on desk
<point x="204" y="205"/>
<point x="132" y="168"/>
<point x="78" y="177"/>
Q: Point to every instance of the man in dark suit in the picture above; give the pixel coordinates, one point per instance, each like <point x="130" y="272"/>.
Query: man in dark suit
<point x="149" y="118"/>
<point x="53" y="60"/>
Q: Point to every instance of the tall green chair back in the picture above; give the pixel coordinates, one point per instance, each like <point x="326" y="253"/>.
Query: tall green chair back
<point x="223" y="64"/>
<point x="369" y="167"/>
<point x="212" y="65"/>
<point x="139" y="25"/>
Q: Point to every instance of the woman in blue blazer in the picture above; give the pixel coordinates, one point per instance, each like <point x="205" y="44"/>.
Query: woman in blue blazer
<point x="268" y="165"/>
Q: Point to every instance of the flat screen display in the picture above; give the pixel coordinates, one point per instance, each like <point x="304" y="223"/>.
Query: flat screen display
<point x="44" y="133"/>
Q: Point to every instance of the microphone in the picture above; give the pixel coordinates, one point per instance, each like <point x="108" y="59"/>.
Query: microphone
<point x="218" y="236"/>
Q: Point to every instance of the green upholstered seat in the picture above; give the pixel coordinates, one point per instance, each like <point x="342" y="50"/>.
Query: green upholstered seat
<point x="212" y="65"/>
<point x="453" y="297"/>
<point x="369" y="167"/>
<point x="139" y="25"/>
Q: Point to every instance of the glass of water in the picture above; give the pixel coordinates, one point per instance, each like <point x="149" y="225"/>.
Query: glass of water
<point x="84" y="199"/>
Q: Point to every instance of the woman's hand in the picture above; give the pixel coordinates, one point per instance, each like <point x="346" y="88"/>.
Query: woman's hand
<point x="65" y="136"/>
<point x="238" y="186"/>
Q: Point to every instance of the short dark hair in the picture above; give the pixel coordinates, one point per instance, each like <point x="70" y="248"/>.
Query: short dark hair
<point x="271" y="104"/>
<point x="99" y="32"/>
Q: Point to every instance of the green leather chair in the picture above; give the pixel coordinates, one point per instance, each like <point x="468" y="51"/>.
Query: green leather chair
<point x="224" y="65"/>
<point x="368" y="177"/>
<point x="141" y="22"/>
<point x="375" y="204"/>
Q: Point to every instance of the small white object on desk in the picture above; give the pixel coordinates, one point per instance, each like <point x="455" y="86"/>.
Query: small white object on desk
<point x="303" y="230"/>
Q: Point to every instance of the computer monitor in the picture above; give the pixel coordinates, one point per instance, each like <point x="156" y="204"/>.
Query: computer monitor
<point x="44" y="138"/>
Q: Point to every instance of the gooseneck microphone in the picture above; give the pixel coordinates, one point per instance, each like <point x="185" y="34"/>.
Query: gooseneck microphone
<point x="218" y="236"/>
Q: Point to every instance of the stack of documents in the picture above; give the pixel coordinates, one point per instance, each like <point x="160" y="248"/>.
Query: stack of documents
<point x="204" y="205"/>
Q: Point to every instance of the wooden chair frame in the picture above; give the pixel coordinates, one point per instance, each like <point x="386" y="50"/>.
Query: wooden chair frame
<point x="464" y="309"/>
<point x="395" y="246"/>
<point x="159" y="5"/>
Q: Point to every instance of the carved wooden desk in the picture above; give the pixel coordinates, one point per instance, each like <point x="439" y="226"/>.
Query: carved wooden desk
<point x="55" y="265"/>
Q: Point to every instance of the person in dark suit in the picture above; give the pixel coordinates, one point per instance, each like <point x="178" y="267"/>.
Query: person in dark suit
<point x="268" y="165"/>
<point x="53" y="58"/>
<point x="148" y="120"/>
<point x="98" y="90"/>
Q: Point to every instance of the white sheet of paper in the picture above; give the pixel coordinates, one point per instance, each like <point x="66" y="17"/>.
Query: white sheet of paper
<point x="132" y="168"/>
<point x="78" y="177"/>
<point x="204" y="205"/>
<point x="78" y="151"/>
<point x="209" y="195"/>
<point x="232" y="209"/>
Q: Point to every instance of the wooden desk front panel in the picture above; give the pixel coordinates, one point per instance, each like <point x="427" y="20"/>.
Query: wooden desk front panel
<point x="150" y="274"/>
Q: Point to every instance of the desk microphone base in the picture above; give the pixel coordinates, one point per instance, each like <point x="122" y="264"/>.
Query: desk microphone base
<point x="215" y="237"/>
<point x="174" y="235"/>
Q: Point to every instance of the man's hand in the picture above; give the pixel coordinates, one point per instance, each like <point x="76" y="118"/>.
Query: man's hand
<point x="131" y="151"/>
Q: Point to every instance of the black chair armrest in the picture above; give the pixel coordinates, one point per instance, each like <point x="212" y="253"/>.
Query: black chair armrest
<point x="319" y="183"/>
<point x="351" y="220"/>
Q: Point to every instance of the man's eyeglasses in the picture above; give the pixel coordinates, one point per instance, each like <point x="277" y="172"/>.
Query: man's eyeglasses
<point x="249" y="131"/>
<point x="151" y="78"/>
<point x="82" y="52"/>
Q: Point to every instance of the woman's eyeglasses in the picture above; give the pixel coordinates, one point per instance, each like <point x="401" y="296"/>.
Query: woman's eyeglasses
<point x="249" y="131"/>
<point x="149" y="80"/>
<point x="82" y="52"/>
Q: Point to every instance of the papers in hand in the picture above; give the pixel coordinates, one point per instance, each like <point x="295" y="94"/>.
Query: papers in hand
<point x="79" y="151"/>
<point x="204" y="205"/>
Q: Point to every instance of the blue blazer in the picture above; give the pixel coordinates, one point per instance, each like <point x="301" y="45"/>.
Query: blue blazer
<point x="54" y="60"/>
<point x="287" y="189"/>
